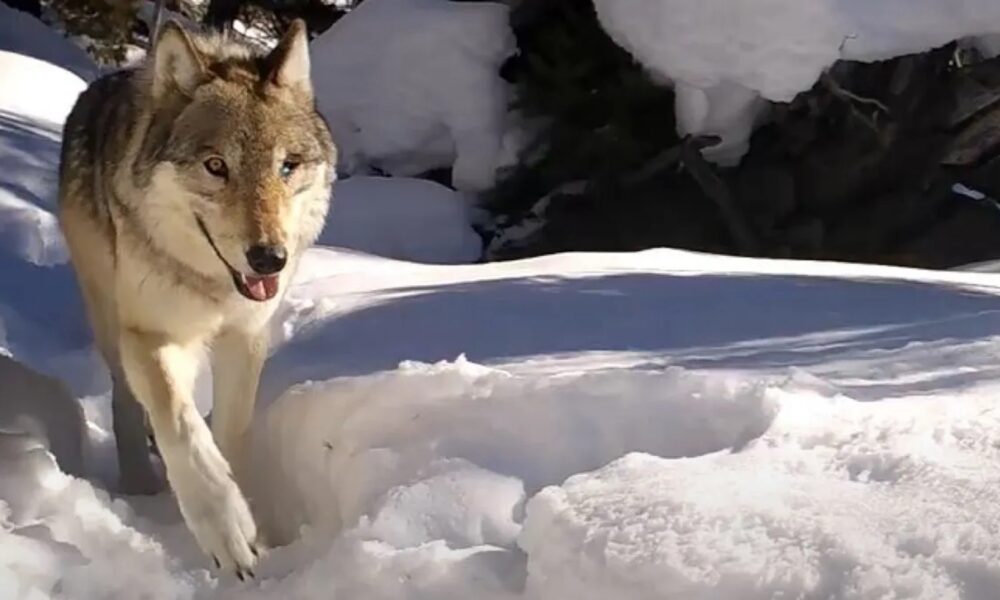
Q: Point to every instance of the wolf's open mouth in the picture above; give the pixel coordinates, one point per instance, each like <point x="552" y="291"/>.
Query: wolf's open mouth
<point x="258" y="288"/>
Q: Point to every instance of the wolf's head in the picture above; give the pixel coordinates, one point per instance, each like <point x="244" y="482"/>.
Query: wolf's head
<point x="235" y="162"/>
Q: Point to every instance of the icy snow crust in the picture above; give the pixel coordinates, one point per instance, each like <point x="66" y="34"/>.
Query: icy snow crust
<point x="724" y="55"/>
<point x="653" y="425"/>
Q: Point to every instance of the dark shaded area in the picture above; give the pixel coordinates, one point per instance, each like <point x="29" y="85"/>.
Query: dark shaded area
<point x="859" y="168"/>
<point x="318" y="15"/>
<point x="32" y="7"/>
<point x="20" y="33"/>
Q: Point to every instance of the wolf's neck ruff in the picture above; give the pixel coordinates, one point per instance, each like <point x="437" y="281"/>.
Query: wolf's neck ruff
<point x="252" y="287"/>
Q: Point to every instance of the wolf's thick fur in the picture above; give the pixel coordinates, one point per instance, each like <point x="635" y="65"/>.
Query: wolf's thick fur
<point x="185" y="186"/>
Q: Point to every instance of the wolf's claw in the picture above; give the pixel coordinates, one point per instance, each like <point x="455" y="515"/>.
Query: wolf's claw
<point x="212" y="504"/>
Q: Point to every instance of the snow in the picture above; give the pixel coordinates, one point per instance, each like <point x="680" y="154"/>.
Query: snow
<point x="723" y="56"/>
<point x="413" y="85"/>
<point x="835" y="436"/>
<point x="403" y="218"/>
<point x="659" y="424"/>
<point x="51" y="336"/>
<point x="26" y="35"/>
<point x="881" y="505"/>
<point x="61" y="86"/>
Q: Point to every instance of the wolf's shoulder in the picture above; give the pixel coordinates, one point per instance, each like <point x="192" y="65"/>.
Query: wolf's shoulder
<point x="111" y="88"/>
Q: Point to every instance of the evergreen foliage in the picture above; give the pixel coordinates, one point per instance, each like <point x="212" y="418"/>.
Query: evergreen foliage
<point x="107" y="25"/>
<point x="594" y="113"/>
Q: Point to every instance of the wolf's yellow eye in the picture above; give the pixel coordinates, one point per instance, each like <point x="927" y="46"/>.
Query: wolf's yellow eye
<point x="288" y="167"/>
<point x="217" y="167"/>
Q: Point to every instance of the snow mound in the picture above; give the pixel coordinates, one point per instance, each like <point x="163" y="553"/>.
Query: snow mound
<point x="29" y="150"/>
<point x="20" y="72"/>
<point x="838" y="500"/>
<point x="724" y="55"/>
<point x="448" y="451"/>
<point x="406" y="219"/>
<point x="41" y="315"/>
<point x="41" y="408"/>
<point x="24" y="34"/>
<point x="412" y="85"/>
<point x="62" y="538"/>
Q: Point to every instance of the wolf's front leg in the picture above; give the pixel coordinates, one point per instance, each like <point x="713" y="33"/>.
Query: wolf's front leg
<point x="162" y="373"/>
<point x="237" y="359"/>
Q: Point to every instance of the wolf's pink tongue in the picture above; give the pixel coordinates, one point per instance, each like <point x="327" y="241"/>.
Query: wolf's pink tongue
<point x="262" y="288"/>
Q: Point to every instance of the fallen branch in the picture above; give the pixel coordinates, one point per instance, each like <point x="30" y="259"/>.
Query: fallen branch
<point x="669" y="157"/>
<point x="717" y="190"/>
<point x="853" y="100"/>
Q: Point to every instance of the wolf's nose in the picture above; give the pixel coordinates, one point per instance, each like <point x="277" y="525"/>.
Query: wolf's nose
<point x="267" y="260"/>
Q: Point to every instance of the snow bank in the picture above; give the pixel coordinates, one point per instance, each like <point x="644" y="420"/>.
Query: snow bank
<point x="724" y="55"/>
<point x="62" y="538"/>
<point x="413" y="85"/>
<point x="401" y="218"/>
<point x="56" y="87"/>
<point x="448" y="451"/>
<point x="761" y="471"/>
<point x="41" y="316"/>
<point x="30" y="126"/>
<point x="24" y="34"/>
<point x="838" y="499"/>
<point x="41" y="408"/>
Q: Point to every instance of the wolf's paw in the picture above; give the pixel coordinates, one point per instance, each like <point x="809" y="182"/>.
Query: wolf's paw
<point x="213" y="506"/>
<point x="224" y="527"/>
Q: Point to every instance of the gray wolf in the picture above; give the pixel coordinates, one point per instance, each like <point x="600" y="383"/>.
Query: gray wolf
<point x="189" y="188"/>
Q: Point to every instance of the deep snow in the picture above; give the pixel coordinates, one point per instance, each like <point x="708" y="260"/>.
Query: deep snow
<point x="800" y="432"/>
<point x="661" y="424"/>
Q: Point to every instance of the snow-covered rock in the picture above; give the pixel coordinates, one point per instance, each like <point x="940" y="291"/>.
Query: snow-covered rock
<point x="412" y="85"/>
<point x="405" y="219"/>
<point x="724" y="55"/>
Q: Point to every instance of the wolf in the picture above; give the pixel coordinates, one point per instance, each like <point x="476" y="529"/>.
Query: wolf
<point x="189" y="187"/>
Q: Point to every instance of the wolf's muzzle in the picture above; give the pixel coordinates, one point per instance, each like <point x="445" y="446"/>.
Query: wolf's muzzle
<point x="258" y="289"/>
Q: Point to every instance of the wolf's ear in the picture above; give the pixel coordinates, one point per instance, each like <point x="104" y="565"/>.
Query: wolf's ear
<point x="176" y="61"/>
<point x="288" y="63"/>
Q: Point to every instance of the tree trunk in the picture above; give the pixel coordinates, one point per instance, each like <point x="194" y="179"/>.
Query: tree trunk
<point x="154" y="29"/>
